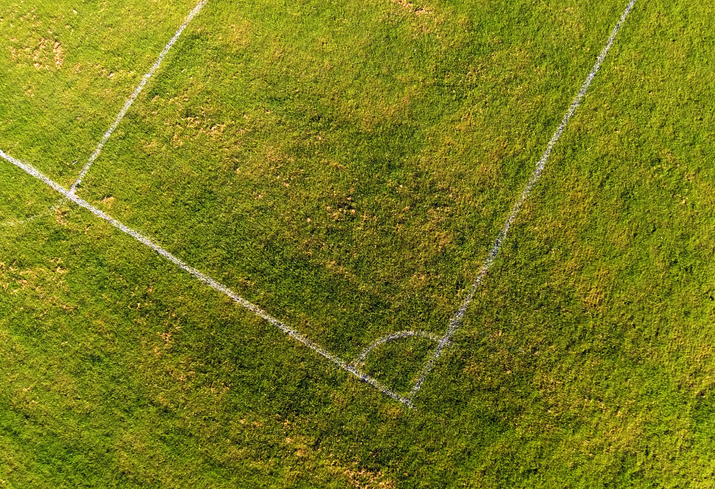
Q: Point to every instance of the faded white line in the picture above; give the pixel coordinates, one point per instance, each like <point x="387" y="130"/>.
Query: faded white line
<point x="135" y="94"/>
<point x="68" y="194"/>
<point x="456" y="320"/>
<point x="19" y="222"/>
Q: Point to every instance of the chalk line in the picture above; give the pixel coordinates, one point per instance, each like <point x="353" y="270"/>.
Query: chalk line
<point x="456" y="320"/>
<point x="214" y="284"/>
<point x="70" y="195"/>
<point x="93" y="157"/>
<point x="19" y="222"/>
<point x="122" y="113"/>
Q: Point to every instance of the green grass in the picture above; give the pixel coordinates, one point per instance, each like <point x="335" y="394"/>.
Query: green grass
<point x="68" y="67"/>
<point x="585" y="360"/>
<point x="338" y="190"/>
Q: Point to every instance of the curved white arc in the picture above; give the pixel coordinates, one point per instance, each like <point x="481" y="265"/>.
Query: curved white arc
<point x="456" y="320"/>
<point x="214" y="284"/>
<point x="395" y="336"/>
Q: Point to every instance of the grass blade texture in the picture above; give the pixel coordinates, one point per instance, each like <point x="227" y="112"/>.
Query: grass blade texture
<point x="346" y="166"/>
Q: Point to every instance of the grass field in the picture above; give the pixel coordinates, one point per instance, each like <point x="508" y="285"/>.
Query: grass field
<point x="347" y="166"/>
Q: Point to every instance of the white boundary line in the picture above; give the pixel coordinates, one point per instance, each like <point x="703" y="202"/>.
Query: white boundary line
<point x="19" y="222"/>
<point x="456" y="320"/>
<point x="69" y="195"/>
<point x="122" y="113"/>
<point x="93" y="157"/>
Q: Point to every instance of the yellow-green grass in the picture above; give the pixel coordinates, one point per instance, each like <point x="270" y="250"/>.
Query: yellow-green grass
<point x="346" y="166"/>
<point x="585" y="361"/>
<point x="68" y="67"/>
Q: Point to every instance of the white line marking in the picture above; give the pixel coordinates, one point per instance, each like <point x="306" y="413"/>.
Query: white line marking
<point x="93" y="157"/>
<point x="395" y="336"/>
<point x="68" y="194"/>
<point x="456" y="320"/>
<point x="135" y="94"/>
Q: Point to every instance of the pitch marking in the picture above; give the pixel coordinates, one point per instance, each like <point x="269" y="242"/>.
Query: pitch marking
<point x="20" y="222"/>
<point x="456" y="320"/>
<point x="395" y="336"/>
<point x="118" y="119"/>
<point x="135" y="94"/>
<point x="214" y="284"/>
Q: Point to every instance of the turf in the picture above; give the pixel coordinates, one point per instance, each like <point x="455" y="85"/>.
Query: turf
<point x="586" y="359"/>
<point x="68" y="67"/>
<point x="333" y="190"/>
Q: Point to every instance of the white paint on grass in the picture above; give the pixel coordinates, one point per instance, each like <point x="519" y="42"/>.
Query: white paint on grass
<point x="122" y="113"/>
<point x="135" y="94"/>
<point x="456" y="320"/>
<point x="69" y="195"/>
<point x="19" y="222"/>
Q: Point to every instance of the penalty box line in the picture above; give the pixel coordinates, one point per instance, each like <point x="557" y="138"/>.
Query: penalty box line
<point x="456" y="322"/>
<point x="214" y="284"/>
